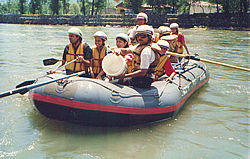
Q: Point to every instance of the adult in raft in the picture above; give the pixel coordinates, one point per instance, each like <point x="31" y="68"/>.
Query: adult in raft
<point x="142" y="19"/>
<point x="180" y="39"/>
<point x="146" y="58"/>
<point x="164" y="63"/>
<point x="76" y="49"/>
<point x="99" y="52"/>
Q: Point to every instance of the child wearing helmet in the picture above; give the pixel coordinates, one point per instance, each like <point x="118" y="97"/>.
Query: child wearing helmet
<point x="99" y="52"/>
<point x="122" y="41"/>
<point x="164" y="63"/>
<point x="180" y="40"/>
<point x="76" y="49"/>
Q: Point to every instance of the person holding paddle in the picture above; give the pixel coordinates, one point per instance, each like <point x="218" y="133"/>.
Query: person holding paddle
<point x="76" y="49"/>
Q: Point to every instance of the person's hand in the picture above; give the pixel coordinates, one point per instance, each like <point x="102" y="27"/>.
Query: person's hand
<point x="51" y="72"/>
<point x="99" y="77"/>
<point x="120" y="76"/>
<point x="117" y="51"/>
<point x="81" y="59"/>
<point x="92" y="75"/>
<point x="169" y="80"/>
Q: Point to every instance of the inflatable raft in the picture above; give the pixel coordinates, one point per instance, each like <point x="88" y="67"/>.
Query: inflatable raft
<point x="99" y="103"/>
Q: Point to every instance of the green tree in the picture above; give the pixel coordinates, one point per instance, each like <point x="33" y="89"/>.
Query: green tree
<point x="54" y="6"/>
<point x="157" y="5"/>
<point x="83" y="8"/>
<point x="74" y="8"/>
<point x="65" y="6"/>
<point x="22" y="6"/>
<point x="135" y="5"/>
<point x="93" y="7"/>
<point x="99" y="6"/>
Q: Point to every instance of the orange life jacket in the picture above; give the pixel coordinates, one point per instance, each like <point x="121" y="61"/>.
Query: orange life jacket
<point x="159" y="71"/>
<point x="97" y="59"/>
<point x="156" y="49"/>
<point x="71" y="55"/>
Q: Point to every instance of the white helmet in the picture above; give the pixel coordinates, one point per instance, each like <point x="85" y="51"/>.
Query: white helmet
<point x="75" y="31"/>
<point x="142" y="16"/>
<point x="123" y="36"/>
<point x="174" y="26"/>
<point x="163" y="43"/>
<point x="164" y="30"/>
<point x="145" y="29"/>
<point x="101" y="34"/>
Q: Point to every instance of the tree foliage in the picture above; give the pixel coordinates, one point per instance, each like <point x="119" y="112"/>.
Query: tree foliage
<point x="63" y="6"/>
<point x="135" y="5"/>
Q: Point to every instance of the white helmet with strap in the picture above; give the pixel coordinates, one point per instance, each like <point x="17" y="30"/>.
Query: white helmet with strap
<point x="174" y="26"/>
<point x="123" y="36"/>
<point x="101" y="34"/>
<point x="142" y="16"/>
<point x="75" y="31"/>
<point x="164" y="30"/>
<point x="145" y="29"/>
<point x="163" y="43"/>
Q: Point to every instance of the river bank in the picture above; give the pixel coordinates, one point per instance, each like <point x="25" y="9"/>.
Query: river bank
<point x="212" y="20"/>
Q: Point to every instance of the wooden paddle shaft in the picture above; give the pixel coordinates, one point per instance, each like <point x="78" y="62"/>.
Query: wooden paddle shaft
<point x="208" y="61"/>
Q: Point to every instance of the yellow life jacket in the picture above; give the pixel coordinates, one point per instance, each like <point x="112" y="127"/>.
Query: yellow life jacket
<point x="71" y="55"/>
<point x="157" y="37"/>
<point x="97" y="59"/>
<point x="179" y="44"/>
<point x="159" y="71"/>
<point x="156" y="49"/>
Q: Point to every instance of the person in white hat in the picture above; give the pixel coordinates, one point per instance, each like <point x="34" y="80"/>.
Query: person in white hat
<point x="180" y="40"/>
<point x="142" y="19"/>
<point x="99" y="52"/>
<point x="146" y="58"/>
<point x="76" y="49"/>
<point x="164" y="63"/>
<point x="162" y="31"/>
<point x="122" y="41"/>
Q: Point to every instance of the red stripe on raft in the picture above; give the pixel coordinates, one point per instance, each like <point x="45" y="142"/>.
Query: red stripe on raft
<point x="109" y="108"/>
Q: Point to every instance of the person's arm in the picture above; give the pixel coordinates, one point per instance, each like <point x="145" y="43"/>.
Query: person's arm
<point x="183" y="42"/>
<point x="169" y="70"/>
<point x="87" y="54"/>
<point x="91" y="68"/>
<point x="99" y="76"/>
<point x="146" y="60"/>
<point x="185" y="46"/>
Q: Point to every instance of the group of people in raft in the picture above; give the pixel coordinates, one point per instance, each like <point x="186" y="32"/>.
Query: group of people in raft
<point x="144" y="52"/>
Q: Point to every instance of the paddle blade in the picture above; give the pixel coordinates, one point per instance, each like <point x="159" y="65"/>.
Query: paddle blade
<point x="25" y="83"/>
<point x="50" y="61"/>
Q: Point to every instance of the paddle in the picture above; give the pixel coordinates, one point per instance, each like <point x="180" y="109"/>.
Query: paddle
<point x="47" y="61"/>
<point x="208" y="61"/>
<point x="23" y="90"/>
<point x="50" y="61"/>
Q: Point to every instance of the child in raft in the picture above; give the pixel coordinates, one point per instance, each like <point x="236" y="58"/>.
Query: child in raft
<point x="122" y="41"/>
<point x="99" y="52"/>
<point x="164" y="63"/>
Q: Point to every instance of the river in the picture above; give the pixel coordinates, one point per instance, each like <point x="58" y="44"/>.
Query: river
<point x="214" y="123"/>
